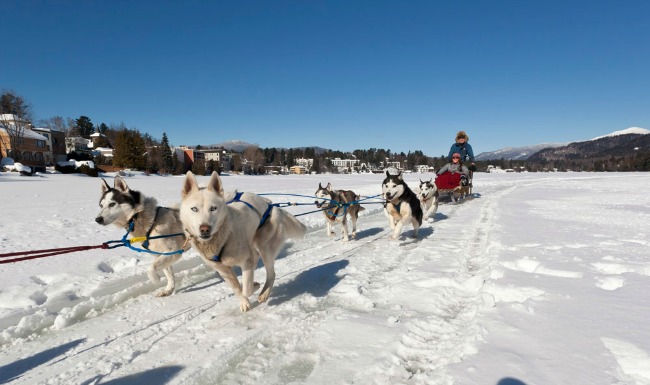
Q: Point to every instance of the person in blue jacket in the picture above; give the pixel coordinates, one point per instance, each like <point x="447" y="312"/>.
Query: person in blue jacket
<point x="464" y="149"/>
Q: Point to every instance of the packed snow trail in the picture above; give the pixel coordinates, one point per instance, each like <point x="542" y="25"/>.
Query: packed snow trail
<point x="326" y="290"/>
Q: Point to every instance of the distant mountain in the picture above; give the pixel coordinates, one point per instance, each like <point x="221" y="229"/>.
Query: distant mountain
<point x="631" y="130"/>
<point x="240" y="146"/>
<point x="233" y="145"/>
<point x="617" y="144"/>
<point x="516" y="153"/>
<point x="613" y="140"/>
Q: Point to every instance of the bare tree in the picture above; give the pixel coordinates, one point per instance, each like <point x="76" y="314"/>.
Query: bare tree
<point x="56" y="123"/>
<point x="15" y="119"/>
<point x="255" y="157"/>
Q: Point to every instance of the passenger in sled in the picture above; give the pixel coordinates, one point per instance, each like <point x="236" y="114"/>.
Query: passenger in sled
<point x="462" y="147"/>
<point x="453" y="174"/>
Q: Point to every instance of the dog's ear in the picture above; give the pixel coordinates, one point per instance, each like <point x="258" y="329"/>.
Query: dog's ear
<point x="387" y="173"/>
<point x="120" y="185"/>
<point x="189" y="185"/>
<point x="105" y="186"/>
<point x="399" y="176"/>
<point x="215" y="183"/>
<point x="329" y="186"/>
<point x="319" y="186"/>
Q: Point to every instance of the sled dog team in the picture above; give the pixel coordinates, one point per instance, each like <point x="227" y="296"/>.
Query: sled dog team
<point x="236" y="229"/>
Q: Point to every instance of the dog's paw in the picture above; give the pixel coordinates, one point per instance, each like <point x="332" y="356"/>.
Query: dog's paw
<point x="244" y="305"/>
<point x="164" y="293"/>
<point x="430" y="220"/>
<point x="264" y="296"/>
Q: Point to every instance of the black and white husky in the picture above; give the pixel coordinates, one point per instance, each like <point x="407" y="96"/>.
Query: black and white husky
<point x="402" y="205"/>
<point x="141" y="215"/>
<point x="336" y="208"/>
<point x="429" y="197"/>
<point x="235" y="229"/>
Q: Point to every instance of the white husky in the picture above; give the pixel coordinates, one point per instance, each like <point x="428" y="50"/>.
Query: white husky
<point x="142" y="217"/>
<point x="429" y="197"/>
<point x="235" y="230"/>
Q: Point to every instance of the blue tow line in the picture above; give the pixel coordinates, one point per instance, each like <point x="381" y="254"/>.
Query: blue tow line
<point x="128" y="242"/>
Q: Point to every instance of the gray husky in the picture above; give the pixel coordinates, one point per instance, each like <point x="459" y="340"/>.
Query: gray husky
<point x="235" y="230"/>
<point x="429" y="197"/>
<point x="402" y="205"/>
<point x="142" y="217"/>
<point x="338" y="213"/>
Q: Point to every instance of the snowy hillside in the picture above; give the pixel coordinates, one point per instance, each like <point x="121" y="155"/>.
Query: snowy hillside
<point x="516" y="153"/>
<point x="523" y="153"/>
<point x="504" y="288"/>
<point x="627" y="131"/>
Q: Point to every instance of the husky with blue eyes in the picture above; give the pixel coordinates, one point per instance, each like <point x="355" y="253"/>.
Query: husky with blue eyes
<point x="142" y="217"/>
<point x="236" y="229"/>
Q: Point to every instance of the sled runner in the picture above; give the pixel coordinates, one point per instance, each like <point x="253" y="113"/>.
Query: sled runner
<point x="452" y="184"/>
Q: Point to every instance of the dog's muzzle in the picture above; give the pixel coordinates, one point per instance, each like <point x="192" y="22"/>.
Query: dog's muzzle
<point x="205" y="231"/>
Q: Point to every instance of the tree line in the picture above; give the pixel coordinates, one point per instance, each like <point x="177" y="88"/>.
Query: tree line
<point x="140" y="151"/>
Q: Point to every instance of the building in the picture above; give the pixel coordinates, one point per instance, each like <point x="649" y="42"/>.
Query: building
<point x="298" y="170"/>
<point x="306" y="163"/>
<point x="395" y="165"/>
<point x="30" y="146"/>
<point x="55" y="144"/>
<point x="422" y="168"/>
<point x="78" y="144"/>
<point x="344" y="165"/>
<point x="188" y="156"/>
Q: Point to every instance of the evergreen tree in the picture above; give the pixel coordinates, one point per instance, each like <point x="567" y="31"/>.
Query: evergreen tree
<point x="198" y="167"/>
<point x="166" y="155"/>
<point x="177" y="166"/>
<point x="153" y="160"/>
<point x="84" y="126"/>
<point x="130" y="150"/>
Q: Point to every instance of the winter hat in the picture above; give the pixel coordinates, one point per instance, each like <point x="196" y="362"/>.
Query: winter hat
<point x="462" y="135"/>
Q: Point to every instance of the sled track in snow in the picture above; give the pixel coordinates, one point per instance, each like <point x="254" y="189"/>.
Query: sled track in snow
<point x="433" y="342"/>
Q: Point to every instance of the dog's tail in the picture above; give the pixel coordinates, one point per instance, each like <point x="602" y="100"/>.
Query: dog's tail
<point x="357" y="198"/>
<point x="293" y="228"/>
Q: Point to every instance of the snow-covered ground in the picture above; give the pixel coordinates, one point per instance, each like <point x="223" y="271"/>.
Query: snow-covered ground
<point x="538" y="279"/>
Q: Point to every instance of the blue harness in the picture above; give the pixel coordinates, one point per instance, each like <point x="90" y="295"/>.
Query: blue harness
<point x="263" y="218"/>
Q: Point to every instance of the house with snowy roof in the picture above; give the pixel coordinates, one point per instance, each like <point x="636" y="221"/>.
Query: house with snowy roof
<point x="19" y="142"/>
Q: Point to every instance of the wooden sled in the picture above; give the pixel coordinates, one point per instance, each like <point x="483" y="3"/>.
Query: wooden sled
<point x="450" y="184"/>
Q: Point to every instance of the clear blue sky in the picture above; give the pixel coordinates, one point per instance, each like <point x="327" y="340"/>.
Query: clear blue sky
<point x="398" y="75"/>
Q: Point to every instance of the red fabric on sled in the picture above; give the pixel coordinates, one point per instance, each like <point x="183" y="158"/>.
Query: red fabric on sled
<point x="448" y="180"/>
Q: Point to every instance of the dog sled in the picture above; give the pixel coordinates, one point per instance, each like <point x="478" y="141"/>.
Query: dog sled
<point x="453" y="184"/>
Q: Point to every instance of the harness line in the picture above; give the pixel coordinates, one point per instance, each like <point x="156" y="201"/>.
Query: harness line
<point x="34" y="254"/>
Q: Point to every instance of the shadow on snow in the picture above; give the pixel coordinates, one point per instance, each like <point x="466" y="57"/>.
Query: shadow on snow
<point x="16" y="369"/>
<point x="317" y="281"/>
<point x="158" y="376"/>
